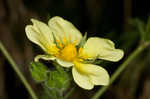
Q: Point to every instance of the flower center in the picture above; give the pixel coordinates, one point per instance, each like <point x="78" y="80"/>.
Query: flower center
<point x="68" y="53"/>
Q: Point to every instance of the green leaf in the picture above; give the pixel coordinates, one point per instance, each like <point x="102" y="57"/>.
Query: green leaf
<point x="58" y="81"/>
<point x="38" y="71"/>
<point x="52" y="93"/>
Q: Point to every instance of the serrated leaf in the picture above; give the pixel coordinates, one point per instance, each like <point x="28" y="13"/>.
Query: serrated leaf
<point x="52" y="93"/>
<point x="58" y="81"/>
<point x="38" y="71"/>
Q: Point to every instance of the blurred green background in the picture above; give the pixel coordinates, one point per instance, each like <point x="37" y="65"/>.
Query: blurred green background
<point x="113" y="19"/>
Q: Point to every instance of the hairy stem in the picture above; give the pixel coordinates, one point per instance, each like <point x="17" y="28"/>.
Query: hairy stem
<point x="69" y="93"/>
<point x="16" y="69"/>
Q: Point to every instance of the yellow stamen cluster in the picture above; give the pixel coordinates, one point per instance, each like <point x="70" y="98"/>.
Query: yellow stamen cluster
<point x="68" y="53"/>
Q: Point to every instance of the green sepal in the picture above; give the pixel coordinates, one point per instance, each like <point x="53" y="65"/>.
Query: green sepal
<point x="55" y="40"/>
<point x="92" y="61"/>
<point x="49" y="17"/>
<point x="83" y="40"/>
<point x="38" y="71"/>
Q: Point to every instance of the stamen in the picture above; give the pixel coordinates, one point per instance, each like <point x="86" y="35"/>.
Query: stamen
<point x="80" y="50"/>
<point x="59" y="43"/>
<point x="68" y="53"/>
<point x="70" y="38"/>
<point x="75" y="42"/>
<point x="65" y="41"/>
<point x="53" y="50"/>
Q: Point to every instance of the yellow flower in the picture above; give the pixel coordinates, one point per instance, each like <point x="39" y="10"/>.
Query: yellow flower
<point x="60" y="40"/>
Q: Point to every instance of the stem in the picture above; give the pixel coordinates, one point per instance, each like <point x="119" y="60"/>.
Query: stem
<point x="69" y="93"/>
<point x="16" y="69"/>
<point x="100" y="92"/>
<point x="148" y="25"/>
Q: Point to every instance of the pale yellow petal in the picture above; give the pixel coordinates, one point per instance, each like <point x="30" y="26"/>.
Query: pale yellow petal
<point x="44" y="30"/>
<point x="102" y="49"/>
<point x="39" y="33"/>
<point x="44" y="57"/>
<point x="64" y="30"/>
<point x="82" y="80"/>
<point x="112" y="55"/>
<point x="97" y="75"/>
<point x="64" y="63"/>
<point x="33" y="36"/>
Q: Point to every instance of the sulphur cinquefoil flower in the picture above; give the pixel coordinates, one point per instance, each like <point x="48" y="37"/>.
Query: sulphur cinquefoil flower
<point x="61" y="41"/>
